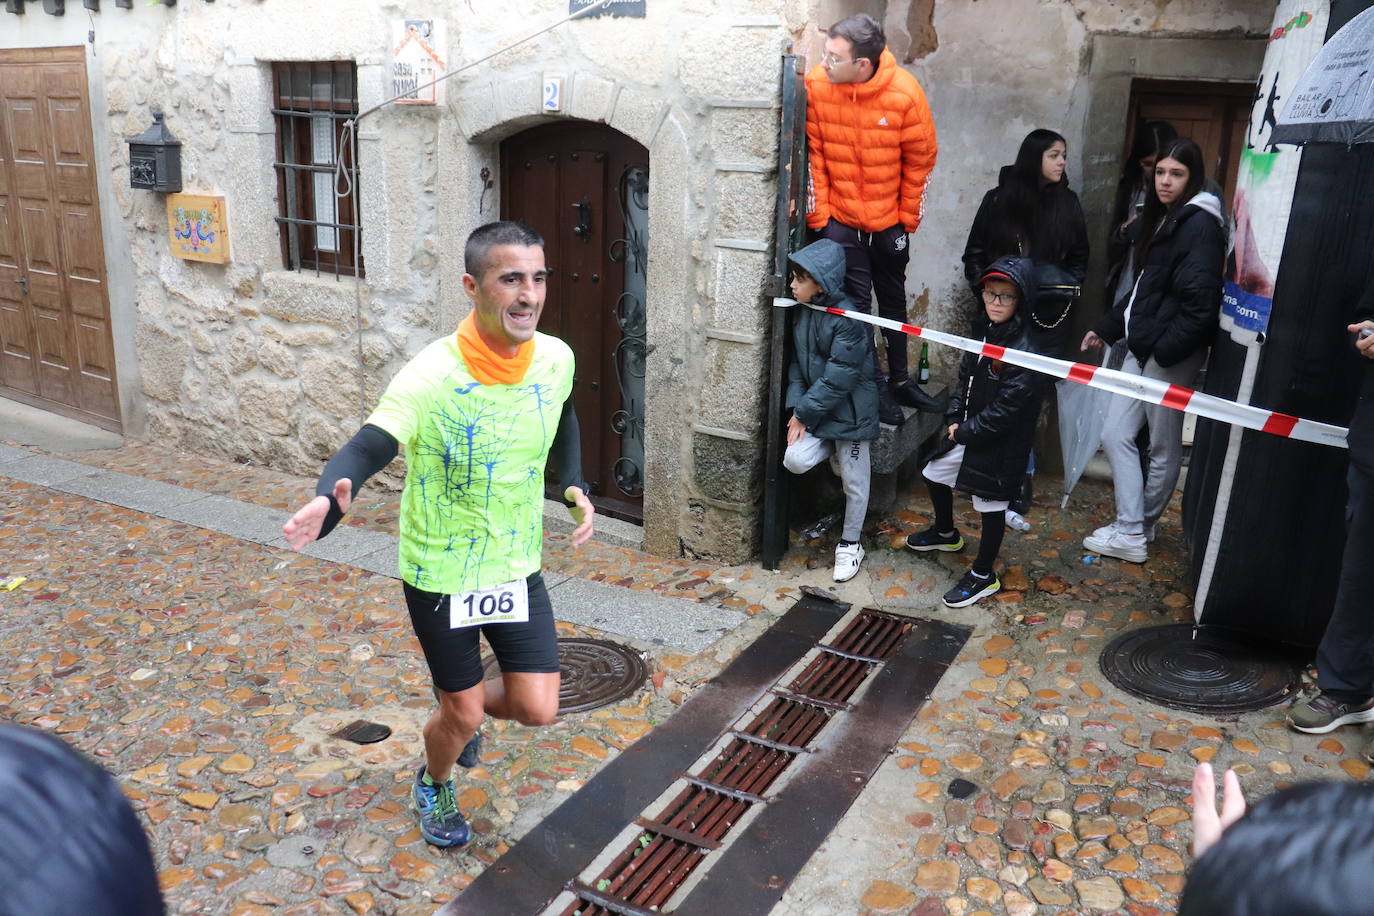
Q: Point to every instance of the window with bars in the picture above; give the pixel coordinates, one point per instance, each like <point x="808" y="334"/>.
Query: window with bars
<point x="318" y="227"/>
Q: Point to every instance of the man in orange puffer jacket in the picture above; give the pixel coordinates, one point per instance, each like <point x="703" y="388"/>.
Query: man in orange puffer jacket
<point x="872" y="144"/>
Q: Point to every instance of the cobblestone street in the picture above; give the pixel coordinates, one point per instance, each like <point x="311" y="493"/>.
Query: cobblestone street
<point x="206" y="672"/>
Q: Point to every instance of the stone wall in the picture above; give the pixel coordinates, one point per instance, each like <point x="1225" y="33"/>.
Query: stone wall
<point x="262" y="364"/>
<point x="995" y="69"/>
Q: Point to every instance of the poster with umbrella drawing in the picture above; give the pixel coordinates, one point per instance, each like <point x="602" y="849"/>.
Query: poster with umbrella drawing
<point x="1334" y="98"/>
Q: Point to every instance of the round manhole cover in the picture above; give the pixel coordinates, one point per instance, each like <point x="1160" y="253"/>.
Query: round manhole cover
<point x="1208" y="672"/>
<point x="595" y="673"/>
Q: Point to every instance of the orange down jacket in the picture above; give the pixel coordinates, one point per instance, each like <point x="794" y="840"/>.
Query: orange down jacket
<point x="872" y="147"/>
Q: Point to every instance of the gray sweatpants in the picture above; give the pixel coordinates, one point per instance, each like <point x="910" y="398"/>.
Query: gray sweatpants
<point x="852" y="457"/>
<point x="1140" y="500"/>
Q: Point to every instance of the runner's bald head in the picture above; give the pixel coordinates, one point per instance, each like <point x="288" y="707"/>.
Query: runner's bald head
<point x="477" y="252"/>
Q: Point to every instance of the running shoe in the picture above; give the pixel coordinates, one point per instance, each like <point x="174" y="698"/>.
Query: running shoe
<point x="423" y="794"/>
<point x="848" y="557"/>
<point x="472" y="752"/>
<point x="970" y="588"/>
<point x="1123" y="546"/>
<point x="1323" y="713"/>
<point x="930" y="539"/>
<point x="443" y="824"/>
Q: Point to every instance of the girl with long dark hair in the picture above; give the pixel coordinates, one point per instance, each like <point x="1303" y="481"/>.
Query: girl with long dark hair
<point x="1168" y="320"/>
<point x="1137" y="175"/>
<point x="1033" y="214"/>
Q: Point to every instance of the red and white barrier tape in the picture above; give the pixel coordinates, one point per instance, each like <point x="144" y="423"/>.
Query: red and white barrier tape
<point x="1151" y="391"/>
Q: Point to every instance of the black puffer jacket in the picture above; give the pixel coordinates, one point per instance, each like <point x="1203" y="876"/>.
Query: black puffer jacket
<point x="830" y="385"/>
<point x="992" y="236"/>
<point x="1173" y="311"/>
<point x="995" y="403"/>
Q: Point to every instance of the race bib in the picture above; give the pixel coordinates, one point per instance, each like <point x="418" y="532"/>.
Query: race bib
<point x="505" y="603"/>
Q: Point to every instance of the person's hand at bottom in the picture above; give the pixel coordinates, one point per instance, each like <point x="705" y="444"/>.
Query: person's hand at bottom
<point x="1208" y="825"/>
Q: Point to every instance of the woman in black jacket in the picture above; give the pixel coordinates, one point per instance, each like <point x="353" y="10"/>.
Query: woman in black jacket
<point x="1033" y="214"/>
<point x="1168" y="322"/>
<point x="1137" y="175"/>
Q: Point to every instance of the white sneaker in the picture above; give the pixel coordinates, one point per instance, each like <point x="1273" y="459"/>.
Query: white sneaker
<point x="1128" y="547"/>
<point x="847" y="560"/>
<point x="1107" y="531"/>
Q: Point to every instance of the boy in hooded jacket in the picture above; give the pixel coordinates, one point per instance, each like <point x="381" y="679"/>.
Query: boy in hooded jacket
<point x="830" y="391"/>
<point x="991" y="428"/>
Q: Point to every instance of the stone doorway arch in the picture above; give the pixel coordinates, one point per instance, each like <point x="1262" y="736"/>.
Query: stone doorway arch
<point x="585" y="188"/>
<point x="481" y="115"/>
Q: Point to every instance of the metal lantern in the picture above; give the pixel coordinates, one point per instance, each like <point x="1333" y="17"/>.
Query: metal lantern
<point x="155" y="158"/>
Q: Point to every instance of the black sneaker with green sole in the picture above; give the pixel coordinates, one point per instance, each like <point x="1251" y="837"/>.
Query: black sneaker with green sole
<point x="971" y="587"/>
<point x="930" y="539"/>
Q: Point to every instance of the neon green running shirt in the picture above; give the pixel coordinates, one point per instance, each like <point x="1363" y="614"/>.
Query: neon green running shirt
<point x="472" y="513"/>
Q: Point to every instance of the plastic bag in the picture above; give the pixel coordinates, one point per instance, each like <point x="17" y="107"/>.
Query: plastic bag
<point x="1082" y="416"/>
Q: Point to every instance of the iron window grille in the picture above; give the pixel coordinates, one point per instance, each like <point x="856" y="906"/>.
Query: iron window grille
<point x="312" y="102"/>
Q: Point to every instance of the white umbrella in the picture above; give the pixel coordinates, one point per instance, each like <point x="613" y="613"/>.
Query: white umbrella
<point x="1333" y="100"/>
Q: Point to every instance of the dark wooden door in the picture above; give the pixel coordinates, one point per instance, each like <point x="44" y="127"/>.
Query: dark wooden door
<point x="1213" y="115"/>
<point x="56" y="349"/>
<point x="583" y="187"/>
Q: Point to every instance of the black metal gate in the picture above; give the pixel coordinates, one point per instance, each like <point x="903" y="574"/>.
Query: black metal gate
<point x="789" y="230"/>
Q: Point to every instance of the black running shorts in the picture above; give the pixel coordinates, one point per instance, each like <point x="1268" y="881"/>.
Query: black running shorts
<point x="454" y="656"/>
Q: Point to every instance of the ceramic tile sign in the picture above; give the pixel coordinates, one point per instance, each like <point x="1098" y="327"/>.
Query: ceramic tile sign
<point x="197" y="228"/>
<point x="419" y="49"/>
<point x="630" y="9"/>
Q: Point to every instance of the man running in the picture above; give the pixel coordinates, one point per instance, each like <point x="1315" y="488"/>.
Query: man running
<point x="478" y="414"/>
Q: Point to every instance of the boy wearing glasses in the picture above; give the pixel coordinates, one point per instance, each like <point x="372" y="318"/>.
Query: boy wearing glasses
<point x="831" y="392"/>
<point x="991" y="418"/>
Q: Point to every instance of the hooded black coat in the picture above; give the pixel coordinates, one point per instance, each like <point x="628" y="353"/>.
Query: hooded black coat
<point x="830" y="386"/>
<point x="1177" y="295"/>
<point x="995" y="403"/>
<point x="991" y="236"/>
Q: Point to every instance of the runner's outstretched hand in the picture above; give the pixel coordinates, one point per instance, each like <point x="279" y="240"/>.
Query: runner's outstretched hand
<point x="582" y="512"/>
<point x="304" y="527"/>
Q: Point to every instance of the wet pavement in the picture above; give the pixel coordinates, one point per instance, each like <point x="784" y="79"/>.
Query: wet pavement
<point x="206" y="671"/>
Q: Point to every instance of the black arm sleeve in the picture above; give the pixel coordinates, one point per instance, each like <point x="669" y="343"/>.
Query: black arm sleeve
<point x="370" y="450"/>
<point x="566" y="453"/>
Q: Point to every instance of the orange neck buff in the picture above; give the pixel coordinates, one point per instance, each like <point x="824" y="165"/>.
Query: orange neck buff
<point x="488" y="367"/>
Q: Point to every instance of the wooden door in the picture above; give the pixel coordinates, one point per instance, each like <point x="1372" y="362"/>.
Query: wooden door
<point x="584" y="188"/>
<point x="1215" y="116"/>
<point x="56" y="349"/>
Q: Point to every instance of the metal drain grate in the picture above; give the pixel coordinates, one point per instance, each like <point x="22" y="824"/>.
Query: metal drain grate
<point x="645" y="874"/>
<point x="737" y="790"/>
